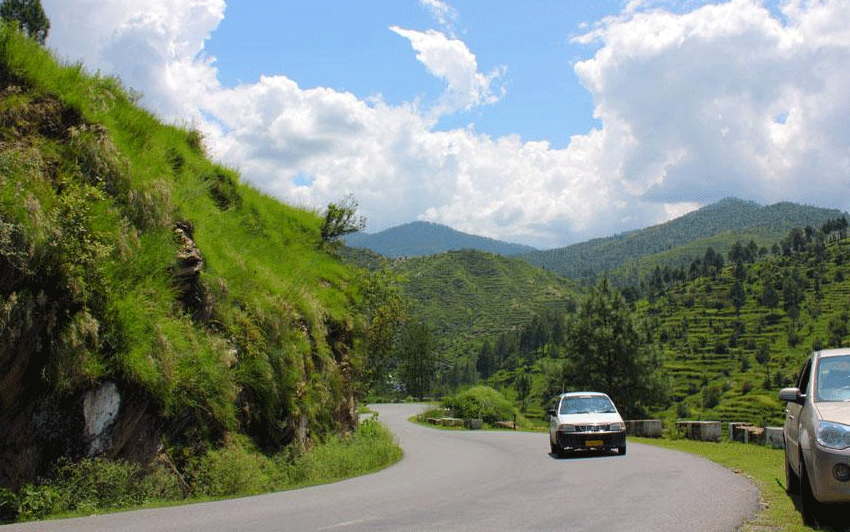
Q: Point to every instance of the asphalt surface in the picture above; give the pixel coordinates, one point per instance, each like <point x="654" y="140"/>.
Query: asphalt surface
<point x="475" y="480"/>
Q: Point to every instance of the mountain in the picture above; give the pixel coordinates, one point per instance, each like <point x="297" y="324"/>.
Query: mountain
<point x="719" y="226"/>
<point x="417" y="239"/>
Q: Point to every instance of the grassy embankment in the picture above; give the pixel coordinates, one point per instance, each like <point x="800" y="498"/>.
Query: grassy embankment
<point x="97" y="486"/>
<point x="248" y="366"/>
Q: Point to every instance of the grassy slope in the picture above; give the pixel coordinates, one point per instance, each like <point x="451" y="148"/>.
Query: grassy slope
<point x="90" y="192"/>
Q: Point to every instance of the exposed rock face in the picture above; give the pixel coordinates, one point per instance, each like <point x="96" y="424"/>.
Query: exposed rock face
<point x="187" y="274"/>
<point x="100" y="408"/>
<point x="108" y="421"/>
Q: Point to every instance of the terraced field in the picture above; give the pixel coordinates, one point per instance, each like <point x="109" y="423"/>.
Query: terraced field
<point x="729" y="365"/>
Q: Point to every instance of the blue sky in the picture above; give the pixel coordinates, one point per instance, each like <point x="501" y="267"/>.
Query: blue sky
<point x="349" y="46"/>
<point x="542" y="122"/>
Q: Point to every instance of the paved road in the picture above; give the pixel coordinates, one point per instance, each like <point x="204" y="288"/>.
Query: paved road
<point x="453" y="480"/>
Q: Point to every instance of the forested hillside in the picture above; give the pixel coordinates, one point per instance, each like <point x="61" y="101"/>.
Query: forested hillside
<point x="468" y="296"/>
<point x="626" y="258"/>
<point x="728" y="332"/>
<point x="722" y="333"/>
<point x="150" y="302"/>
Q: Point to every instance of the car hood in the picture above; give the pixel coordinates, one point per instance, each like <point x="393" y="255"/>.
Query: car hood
<point x="589" y="419"/>
<point x="837" y="412"/>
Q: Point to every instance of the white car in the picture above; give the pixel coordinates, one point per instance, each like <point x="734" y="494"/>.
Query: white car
<point x="585" y="421"/>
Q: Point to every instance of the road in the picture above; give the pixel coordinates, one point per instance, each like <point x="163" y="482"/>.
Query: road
<point x="475" y="480"/>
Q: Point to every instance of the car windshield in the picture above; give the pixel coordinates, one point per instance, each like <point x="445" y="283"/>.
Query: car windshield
<point x="833" y="382"/>
<point x="587" y="404"/>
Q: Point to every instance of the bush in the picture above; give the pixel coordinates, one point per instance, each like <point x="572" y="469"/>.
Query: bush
<point x="371" y="447"/>
<point x="480" y="402"/>
<point x="37" y="502"/>
<point x="8" y="506"/>
<point x="95" y="483"/>
<point x="237" y="469"/>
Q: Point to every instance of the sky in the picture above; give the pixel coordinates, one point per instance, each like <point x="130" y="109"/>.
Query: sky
<point x="540" y="122"/>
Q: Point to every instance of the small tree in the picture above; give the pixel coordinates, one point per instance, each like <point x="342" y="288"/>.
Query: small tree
<point x="384" y="311"/>
<point x="738" y="296"/>
<point x="523" y="388"/>
<point x="28" y="16"/>
<point x="416" y="354"/>
<point x="341" y="219"/>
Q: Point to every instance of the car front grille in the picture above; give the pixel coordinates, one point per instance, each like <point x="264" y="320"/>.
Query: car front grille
<point x="592" y="428"/>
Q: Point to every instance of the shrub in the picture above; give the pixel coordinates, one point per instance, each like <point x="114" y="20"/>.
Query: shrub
<point x="8" y="506"/>
<point x="710" y="396"/>
<point x="93" y="483"/>
<point x="37" y="502"/>
<point x="480" y="402"/>
<point x="97" y="483"/>
<point x="236" y="469"/>
<point x="371" y="447"/>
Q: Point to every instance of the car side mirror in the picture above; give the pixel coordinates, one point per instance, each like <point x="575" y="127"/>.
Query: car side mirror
<point x="551" y="412"/>
<point x="792" y="395"/>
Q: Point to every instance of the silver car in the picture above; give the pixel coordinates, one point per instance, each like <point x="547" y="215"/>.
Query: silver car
<point x="817" y="434"/>
<point x="585" y="421"/>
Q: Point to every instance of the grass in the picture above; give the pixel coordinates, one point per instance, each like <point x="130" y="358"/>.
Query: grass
<point x="236" y="470"/>
<point x="763" y="465"/>
<point x="241" y="324"/>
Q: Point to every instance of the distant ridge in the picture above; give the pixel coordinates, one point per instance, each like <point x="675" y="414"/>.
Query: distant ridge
<point x="420" y="239"/>
<point x="718" y="225"/>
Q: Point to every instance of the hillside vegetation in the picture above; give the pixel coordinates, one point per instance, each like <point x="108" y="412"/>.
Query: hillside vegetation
<point x="729" y="328"/>
<point x="628" y="257"/>
<point x="468" y="296"/>
<point x="733" y="337"/>
<point x="131" y="262"/>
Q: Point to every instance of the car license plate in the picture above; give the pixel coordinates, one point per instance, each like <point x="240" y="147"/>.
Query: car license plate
<point x="593" y="443"/>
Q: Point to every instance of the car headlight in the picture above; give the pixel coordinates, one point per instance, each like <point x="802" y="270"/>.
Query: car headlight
<point x="616" y="427"/>
<point x="567" y="428"/>
<point x="833" y="435"/>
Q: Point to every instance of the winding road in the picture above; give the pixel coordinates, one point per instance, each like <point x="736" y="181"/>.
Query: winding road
<point x="475" y="480"/>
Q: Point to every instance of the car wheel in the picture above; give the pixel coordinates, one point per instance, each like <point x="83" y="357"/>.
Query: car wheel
<point x="809" y="506"/>
<point x="553" y="448"/>
<point x="792" y="481"/>
<point x="622" y="450"/>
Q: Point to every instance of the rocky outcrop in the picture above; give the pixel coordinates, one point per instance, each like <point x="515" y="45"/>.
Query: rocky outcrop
<point x="109" y="420"/>
<point x="187" y="274"/>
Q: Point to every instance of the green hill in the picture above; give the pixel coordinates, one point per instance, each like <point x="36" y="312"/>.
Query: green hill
<point x="469" y="296"/>
<point x="728" y="363"/>
<point x="147" y="295"/>
<point x="725" y="356"/>
<point x="730" y="338"/>
<point x="627" y="257"/>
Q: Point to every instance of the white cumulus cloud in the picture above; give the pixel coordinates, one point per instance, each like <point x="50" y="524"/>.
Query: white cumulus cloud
<point x="450" y="60"/>
<point x="724" y="99"/>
